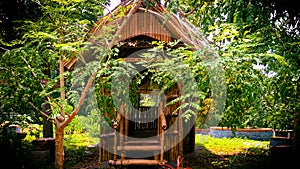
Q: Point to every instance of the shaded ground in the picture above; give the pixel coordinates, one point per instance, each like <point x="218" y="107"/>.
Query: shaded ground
<point x="200" y="159"/>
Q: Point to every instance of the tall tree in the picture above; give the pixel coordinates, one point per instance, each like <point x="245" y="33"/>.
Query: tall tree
<point x="44" y="43"/>
<point x="264" y="33"/>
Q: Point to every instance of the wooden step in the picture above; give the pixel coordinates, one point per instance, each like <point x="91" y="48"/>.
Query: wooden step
<point x="141" y="142"/>
<point x="135" y="162"/>
<point x="138" y="148"/>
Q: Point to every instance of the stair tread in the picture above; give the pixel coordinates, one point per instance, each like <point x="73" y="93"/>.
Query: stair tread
<point x="139" y="148"/>
<point x="141" y="142"/>
<point x="131" y="162"/>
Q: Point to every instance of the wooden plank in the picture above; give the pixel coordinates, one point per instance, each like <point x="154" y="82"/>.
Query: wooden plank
<point x="138" y="148"/>
<point x="107" y="135"/>
<point x="142" y="142"/>
<point x="145" y="23"/>
<point x="151" y="25"/>
<point x="128" y="162"/>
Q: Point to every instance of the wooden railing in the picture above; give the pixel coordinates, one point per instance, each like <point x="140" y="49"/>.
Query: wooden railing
<point x="122" y="145"/>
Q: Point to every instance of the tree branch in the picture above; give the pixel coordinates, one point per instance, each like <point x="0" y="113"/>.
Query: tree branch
<point x="43" y="113"/>
<point x="166" y="3"/>
<point x="4" y="48"/>
<point x="81" y="100"/>
<point x="135" y="5"/>
<point x="29" y="66"/>
<point x="84" y="93"/>
<point x="185" y="14"/>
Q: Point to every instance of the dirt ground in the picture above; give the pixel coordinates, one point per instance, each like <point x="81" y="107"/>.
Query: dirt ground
<point x="200" y="159"/>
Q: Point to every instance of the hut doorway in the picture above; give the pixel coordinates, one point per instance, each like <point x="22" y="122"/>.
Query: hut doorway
<point x="143" y="119"/>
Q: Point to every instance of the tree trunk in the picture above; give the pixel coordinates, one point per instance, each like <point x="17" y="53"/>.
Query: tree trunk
<point x="296" y="133"/>
<point x="46" y="108"/>
<point x="47" y="125"/>
<point x="59" y="149"/>
<point x="296" y="139"/>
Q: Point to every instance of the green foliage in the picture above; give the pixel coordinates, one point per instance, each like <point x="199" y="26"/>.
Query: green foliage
<point x="169" y="66"/>
<point x="259" y="48"/>
<point x="91" y="124"/>
<point x="60" y="29"/>
<point x="34" y="131"/>
<point x="259" y="84"/>
<point x="78" y="140"/>
<point x="75" y="127"/>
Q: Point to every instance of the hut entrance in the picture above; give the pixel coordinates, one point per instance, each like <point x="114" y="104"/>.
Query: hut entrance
<point x="142" y="123"/>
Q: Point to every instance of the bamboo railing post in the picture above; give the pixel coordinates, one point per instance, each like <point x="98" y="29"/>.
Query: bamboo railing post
<point x="121" y="129"/>
<point x="156" y="155"/>
<point x="162" y="145"/>
<point x="126" y="124"/>
<point x="115" y="146"/>
<point x="163" y="126"/>
<point x="100" y="147"/>
<point x="180" y="124"/>
<point x="116" y="125"/>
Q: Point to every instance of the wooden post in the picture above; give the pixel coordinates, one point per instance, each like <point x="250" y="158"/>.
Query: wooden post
<point x="100" y="147"/>
<point x="180" y="124"/>
<point x="121" y="130"/>
<point x="156" y="155"/>
<point x="163" y="125"/>
<point x="115" y="145"/>
<point x="126" y="124"/>
<point x="162" y="145"/>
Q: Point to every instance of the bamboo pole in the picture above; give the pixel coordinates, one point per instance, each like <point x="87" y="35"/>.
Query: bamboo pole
<point x="162" y="116"/>
<point x="100" y="148"/>
<point x="121" y="131"/>
<point x="162" y="145"/>
<point x="128" y="162"/>
<point x="117" y="122"/>
<point x="163" y="126"/>
<point x="180" y="124"/>
<point x="106" y="152"/>
<point x="168" y="145"/>
<point x="156" y="157"/>
<point x="111" y="149"/>
<point x="115" y="146"/>
<point x="126" y="124"/>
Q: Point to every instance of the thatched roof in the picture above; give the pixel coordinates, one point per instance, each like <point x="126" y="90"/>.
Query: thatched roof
<point x="134" y="19"/>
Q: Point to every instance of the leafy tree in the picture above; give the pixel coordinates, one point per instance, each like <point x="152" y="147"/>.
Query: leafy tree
<point x="16" y="82"/>
<point x="253" y="34"/>
<point x="47" y="41"/>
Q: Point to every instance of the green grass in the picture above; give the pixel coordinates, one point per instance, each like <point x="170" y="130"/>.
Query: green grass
<point x="231" y="153"/>
<point x="229" y="145"/>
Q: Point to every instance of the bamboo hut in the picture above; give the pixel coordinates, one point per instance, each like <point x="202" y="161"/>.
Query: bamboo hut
<point x="136" y="30"/>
